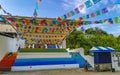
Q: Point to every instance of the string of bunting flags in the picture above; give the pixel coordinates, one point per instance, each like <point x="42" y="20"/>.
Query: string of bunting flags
<point x="25" y="21"/>
<point x="9" y="15"/>
<point x="42" y="41"/>
<point x="97" y="13"/>
<point x="70" y="25"/>
<point x="42" y="38"/>
<point x="87" y="4"/>
<point x="12" y="19"/>
<point x="113" y="20"/>
<point x="54" y="21"/>
<point x="41" y="29"/>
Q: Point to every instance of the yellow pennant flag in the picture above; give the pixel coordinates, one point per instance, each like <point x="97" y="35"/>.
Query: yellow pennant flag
<point x="77" y="19"/>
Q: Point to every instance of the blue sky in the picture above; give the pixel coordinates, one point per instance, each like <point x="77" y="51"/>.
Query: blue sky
<point x="55" y="8"/>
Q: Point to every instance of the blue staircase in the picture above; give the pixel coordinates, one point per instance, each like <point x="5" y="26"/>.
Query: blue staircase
<point x="79" y="59"/>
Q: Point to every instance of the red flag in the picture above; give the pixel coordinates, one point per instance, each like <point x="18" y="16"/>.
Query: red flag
<point x="92" y="15"/>
<point x="58" y="19"/>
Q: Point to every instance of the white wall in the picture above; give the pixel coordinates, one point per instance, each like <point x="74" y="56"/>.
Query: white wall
<point x="44" y="67"/>
<point x="3" y="48"/>
<point x="12" y="44"/>
<point x="90" y="60"/>
<point x="7" y="44"/>
<point x="115" y="62"/>
<point x="22" y="43"/>
<point x="64" y="44"/>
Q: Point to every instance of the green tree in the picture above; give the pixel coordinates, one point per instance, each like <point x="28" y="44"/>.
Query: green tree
<point x="98" y="38"/>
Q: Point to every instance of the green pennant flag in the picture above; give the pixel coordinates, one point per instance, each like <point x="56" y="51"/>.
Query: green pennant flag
<point x="100" y="21"/>
<point x="72" y="13"/>
<point x="116" y="20"/>
<point x="84" y="17"/>
<point x="33" y="29"/>
<point x="21" y="26"/>
<point x="37" y="21"/>
<point x="73" y="23"/>
<point x="62" y="17"/>
<point x="52" y="41"/>
<point x="19" y="19"/>
<point x="97" y="13"/>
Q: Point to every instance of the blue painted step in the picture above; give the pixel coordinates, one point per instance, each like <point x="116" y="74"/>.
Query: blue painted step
<point x="43" y="61"/>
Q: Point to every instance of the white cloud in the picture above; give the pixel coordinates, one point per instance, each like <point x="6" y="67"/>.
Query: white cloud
<point x="118" y="27"/>
<point x="116" y="32"/>
<point x="102" y="27"/>
<point x="70" y="4"/>
<point x="93" y="26"/>
<point x="113" y="1"/>
<point x="104" y="1"/>
<point x="66" y="6"/>
<point x="116" y="8"/>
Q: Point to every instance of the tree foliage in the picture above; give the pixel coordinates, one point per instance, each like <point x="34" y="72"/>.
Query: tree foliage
<point x="92" y="37"/>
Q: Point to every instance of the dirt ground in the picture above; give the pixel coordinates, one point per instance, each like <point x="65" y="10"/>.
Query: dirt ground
<point x="61" y="72"/>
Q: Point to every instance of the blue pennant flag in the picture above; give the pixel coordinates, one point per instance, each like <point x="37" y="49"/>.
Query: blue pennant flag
<point x="87" y="16"/>
<point x="65" y="16"/>
<point x="2" y="18"/>
<point x="88" y="3"/>
<point x="4" y="11"/>
<point x="96" y="1"/>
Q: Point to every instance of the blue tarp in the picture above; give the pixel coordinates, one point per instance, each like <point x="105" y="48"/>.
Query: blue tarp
<point x="101" y="49"/>
<point x="53" y="46"/>
<point x="102" y="57"/>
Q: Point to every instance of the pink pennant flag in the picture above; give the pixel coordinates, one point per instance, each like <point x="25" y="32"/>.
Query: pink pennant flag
<point x="39" y="1"/>
<point x="112" y="6"/>
<point x="81" y="6"/>
<point x="68" y="15"/>
<point x="81" y="18"/>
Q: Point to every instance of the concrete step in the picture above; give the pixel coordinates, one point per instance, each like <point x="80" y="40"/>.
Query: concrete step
<point x="44" y="55"/>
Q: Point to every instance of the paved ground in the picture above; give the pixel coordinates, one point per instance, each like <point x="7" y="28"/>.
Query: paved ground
<point x="61" y="72"/>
